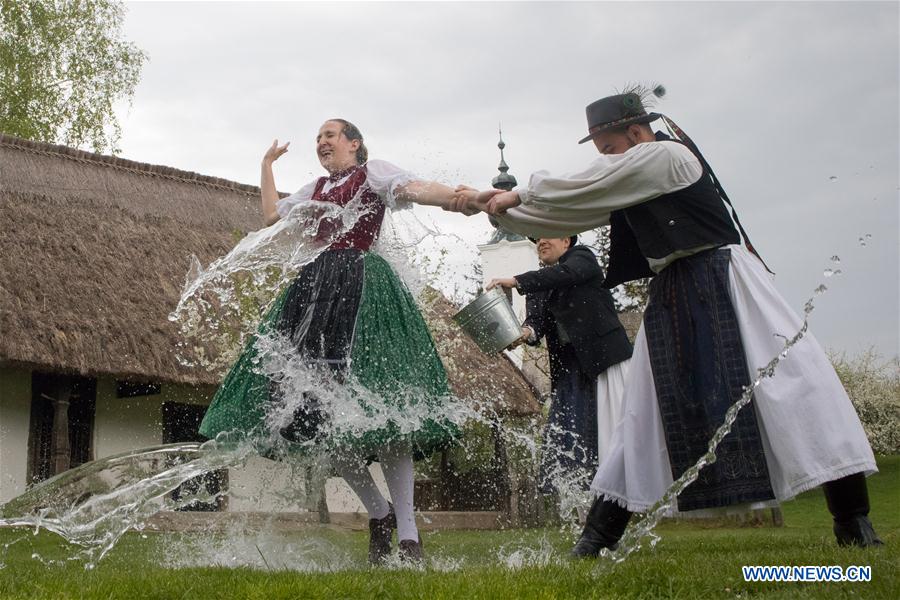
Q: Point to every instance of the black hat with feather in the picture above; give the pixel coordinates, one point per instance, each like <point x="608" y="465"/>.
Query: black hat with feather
<point x="621" y="110"/>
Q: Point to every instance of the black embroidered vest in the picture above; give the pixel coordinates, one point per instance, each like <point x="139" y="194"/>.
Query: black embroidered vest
<point x="689" y="218"/>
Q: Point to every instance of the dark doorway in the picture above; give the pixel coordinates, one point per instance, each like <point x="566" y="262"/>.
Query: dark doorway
<point x="62" y="424"/>
<point x="180" y="424"/>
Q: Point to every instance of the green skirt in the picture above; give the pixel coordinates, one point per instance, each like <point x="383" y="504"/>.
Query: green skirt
<point x="347" y="310"/>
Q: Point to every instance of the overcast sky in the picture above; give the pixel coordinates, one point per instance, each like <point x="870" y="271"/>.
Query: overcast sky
<point x="795" y="105"/>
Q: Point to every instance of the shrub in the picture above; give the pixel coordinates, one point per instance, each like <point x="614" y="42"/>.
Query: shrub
<point x="873" y="384"/>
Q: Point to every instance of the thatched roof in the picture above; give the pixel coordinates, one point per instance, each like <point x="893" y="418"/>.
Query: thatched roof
<point x="631" y="321"/>
<point x="94" y="253"/>
<point x="95" y="250"/>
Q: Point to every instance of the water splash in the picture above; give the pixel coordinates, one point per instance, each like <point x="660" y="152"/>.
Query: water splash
<point x="516" y="556"/>
<point x="445" y="564"/>
<point x="93" y="505"/>
<point x="220" y="305"/>
<point x="266" y="550"/>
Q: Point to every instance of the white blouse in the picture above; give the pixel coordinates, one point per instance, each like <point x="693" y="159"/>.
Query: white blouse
<point x="382" y="177"/>
<point x="559" y="206"/>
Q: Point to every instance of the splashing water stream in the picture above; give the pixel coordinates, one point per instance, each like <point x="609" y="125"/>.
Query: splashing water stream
<point x="93" y="505"/>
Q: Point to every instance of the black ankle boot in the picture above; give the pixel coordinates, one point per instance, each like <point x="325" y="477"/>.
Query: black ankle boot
<point x="605" y="524"/>
<point x="848" y="502"/>
<point x="411" y="551"/>
<point x="380" y="533"/>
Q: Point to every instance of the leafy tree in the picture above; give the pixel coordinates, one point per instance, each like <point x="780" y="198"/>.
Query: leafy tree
<point x="63" y="65"/>
<point x="631" y="296"/>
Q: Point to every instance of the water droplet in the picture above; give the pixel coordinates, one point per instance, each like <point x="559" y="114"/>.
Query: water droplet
<point x="868" y="236"/>
<point x="827" y="272"/>
<point x="862" y="242"/>
<point x="820" y="290"/>
<point x="832" y="178"/>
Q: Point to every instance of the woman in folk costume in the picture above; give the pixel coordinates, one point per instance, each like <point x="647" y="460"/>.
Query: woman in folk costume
<point x="347" y="313"/>
<point x="711" y="320"/>
<point x="567" y="304"/>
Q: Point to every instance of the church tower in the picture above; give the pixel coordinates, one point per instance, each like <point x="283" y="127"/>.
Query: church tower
<point x="507" y="254"/>
<point x="503" y="181"/>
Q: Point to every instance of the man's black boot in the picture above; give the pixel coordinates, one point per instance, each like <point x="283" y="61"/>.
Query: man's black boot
<point x="848" y="502"/>
<point x="605" y="524"/>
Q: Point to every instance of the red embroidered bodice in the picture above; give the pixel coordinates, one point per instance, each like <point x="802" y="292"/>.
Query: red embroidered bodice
<point x="364" y="233"/>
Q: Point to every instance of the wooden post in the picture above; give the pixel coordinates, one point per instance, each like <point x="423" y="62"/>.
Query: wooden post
<point x="777" y="517"/>
<point x="324" y="515"/>
<point x="61" y="452"/>
<point x="504" y="491"/>
<point x="445" y="481"/>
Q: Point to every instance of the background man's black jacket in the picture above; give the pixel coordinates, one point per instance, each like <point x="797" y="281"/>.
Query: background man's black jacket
<point x="568" y="304"/>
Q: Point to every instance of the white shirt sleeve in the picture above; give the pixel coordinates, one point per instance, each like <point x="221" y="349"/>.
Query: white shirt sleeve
<point x="385" y="178"/>
<point x="558" y="206"/>
<point x="284" y="205"/>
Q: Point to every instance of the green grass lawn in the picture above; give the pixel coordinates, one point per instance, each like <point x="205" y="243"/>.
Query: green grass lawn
<point x="691" y="560"/>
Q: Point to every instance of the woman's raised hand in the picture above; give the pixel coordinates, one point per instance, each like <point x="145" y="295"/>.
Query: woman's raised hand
<point x="274" y="152"/>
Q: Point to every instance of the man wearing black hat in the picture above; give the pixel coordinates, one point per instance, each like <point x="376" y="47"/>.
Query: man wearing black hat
<point x="567" y="304"/>
<point x="713" y="318"/>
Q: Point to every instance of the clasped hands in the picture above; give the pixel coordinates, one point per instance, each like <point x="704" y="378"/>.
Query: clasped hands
<point x="469" y="201"/>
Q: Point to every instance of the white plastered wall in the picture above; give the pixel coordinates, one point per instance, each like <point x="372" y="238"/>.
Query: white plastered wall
<point x="508" y="259"/>
<point x="123" y="424"/>
<point x="264" y="485"/>
<point x="341" y="498"/>
<point x="15" y="417"/>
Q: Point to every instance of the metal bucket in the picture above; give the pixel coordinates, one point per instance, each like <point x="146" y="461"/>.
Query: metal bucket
<point x="490" y="321"/>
